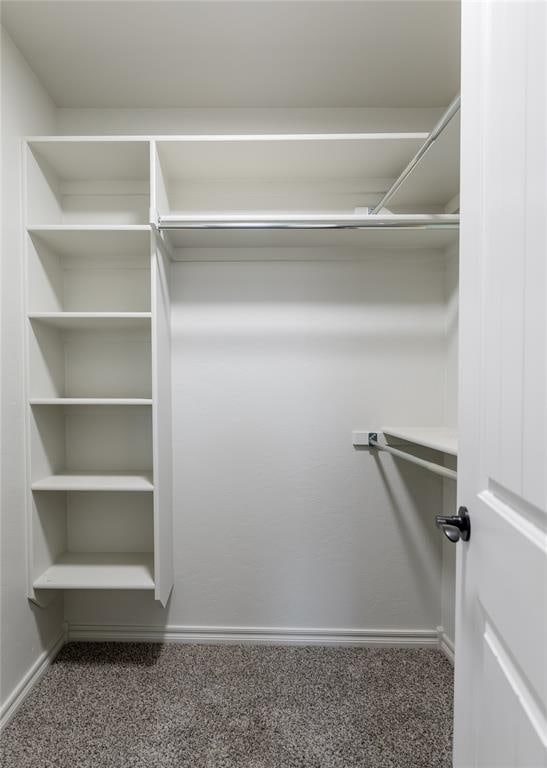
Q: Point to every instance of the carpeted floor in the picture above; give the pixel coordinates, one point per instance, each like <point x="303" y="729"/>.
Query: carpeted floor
<point x="108" y="705"/>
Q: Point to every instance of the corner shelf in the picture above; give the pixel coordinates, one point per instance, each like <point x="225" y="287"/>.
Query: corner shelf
<point x="444" y="439"/>
<point x="95" y="481"/>
<point x="99" y="570"/>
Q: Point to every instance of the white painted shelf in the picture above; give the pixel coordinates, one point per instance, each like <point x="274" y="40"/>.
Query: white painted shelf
<point x="90" y="401"/>
<point x="70" y="240"/>
<point x="93" y="320"/>
<point x="95" y="481"/>
<point x="288" y="156"/>
<point x="442" y="439"/>
<point x="99" y="570"/>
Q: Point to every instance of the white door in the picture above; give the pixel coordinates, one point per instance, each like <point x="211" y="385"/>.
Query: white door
<point x="501" y="637"/>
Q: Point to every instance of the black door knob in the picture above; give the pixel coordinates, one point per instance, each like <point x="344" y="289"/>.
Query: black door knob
<point x="455" y="527"/>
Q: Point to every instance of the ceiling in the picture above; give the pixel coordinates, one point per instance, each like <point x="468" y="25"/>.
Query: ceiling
<point x="240" y="53"/>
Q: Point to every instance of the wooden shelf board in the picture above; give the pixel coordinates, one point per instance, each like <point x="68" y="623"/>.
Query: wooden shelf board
<point x="90" y="401"/>
<point x="99" y="570"/>
<point x="93" y="320"/>
<point x="443" y="439"/>
<point x="95" y="481"/>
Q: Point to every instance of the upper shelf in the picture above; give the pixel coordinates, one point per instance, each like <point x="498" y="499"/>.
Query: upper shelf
<point x="86" y="181"/>
<point x="444" y="439"/>
<point x="279" y="156"/>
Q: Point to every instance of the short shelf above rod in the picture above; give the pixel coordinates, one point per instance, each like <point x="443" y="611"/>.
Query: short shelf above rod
<point x="429" y="465"/>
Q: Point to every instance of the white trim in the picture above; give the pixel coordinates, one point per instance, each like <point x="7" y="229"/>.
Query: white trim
<point x="253" y="635"/>
<point x="446" y="645"/>
<point x="27" y="683"/>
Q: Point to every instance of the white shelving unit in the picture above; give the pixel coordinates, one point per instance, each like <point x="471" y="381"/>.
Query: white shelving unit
<point x="98" y="311"/>
<point x="97" y="359"/>
<point x="251" y="192"/>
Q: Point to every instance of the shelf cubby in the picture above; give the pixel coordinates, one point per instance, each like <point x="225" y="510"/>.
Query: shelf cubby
<point x="90" y="438"/>
<point x="261" y="173"/>
<point x="69" y="363"/>
<point x="89" y="270"/>
<point x="93" y="532"/>
<point x="87" y="181"/>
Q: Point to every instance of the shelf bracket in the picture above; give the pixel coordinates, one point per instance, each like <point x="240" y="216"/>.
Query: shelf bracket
<point x="452" y="110"/>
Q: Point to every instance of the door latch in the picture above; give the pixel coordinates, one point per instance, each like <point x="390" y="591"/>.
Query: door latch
<point x="455" y="527"/>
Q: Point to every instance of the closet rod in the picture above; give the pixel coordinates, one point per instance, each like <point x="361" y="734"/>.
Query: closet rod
<point x="431" y="139"/>
<point x="441" y="221"/>
<point x="430" y="465"/>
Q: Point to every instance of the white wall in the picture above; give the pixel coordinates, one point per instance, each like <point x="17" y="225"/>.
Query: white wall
<point x="243" y="120"/>
<point x="279" y="522"/>
<point x="26" y="631"/>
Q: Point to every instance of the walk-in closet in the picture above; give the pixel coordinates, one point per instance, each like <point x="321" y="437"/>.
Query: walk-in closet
<point x="273" y="358"/>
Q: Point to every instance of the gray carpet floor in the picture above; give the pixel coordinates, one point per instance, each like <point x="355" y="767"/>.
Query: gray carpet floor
<point x="143" y="705"/>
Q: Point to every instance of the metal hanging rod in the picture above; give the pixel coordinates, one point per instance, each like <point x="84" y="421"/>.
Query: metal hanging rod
<point x="430" y="465"/>
<point x="407" y="221"/>
<point x="431" y="139"/>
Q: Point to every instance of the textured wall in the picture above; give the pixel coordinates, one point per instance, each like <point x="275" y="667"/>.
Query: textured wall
<point x="279" y="522"/>
<point x="25" y="630"/>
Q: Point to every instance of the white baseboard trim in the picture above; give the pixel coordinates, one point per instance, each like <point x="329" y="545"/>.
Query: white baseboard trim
<point x="364" y="638"/>
<point x="254" y="635"/>
<point x="446" y="645"/>
<point x="37" y="671"/>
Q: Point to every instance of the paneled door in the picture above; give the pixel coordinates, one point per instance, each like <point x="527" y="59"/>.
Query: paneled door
<point x="501" y="637"/>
